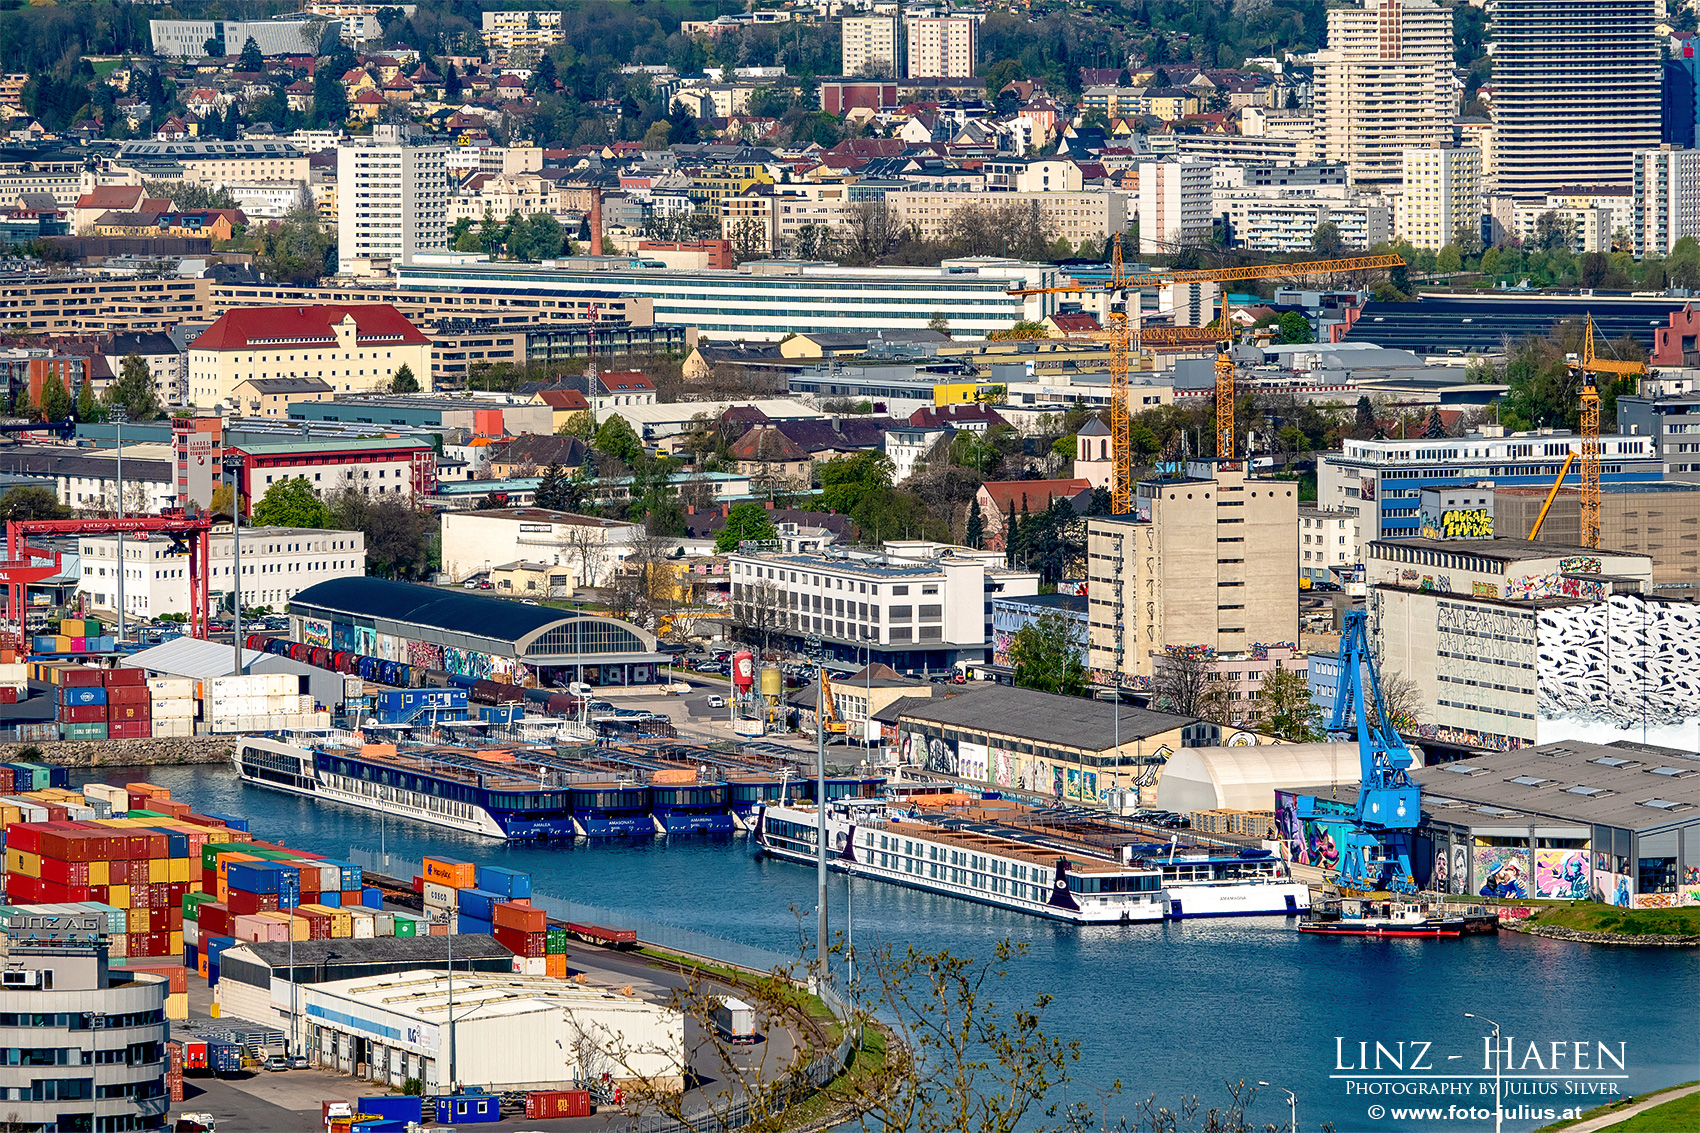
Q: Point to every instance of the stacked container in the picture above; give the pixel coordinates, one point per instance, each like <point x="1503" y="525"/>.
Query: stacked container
<point x="171" y="701"/>
<point x="128" y="704"/>
<point x="259" y="702"/>
<point x="76" y="635"/>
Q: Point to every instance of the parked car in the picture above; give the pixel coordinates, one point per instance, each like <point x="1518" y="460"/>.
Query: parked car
<point x="300" y="1062"/>
<point x="277" y="1062"/>
<point x="717" y="702"/>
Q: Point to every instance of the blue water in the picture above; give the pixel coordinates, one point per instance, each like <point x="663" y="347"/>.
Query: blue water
<point x="1168" y="1010"/>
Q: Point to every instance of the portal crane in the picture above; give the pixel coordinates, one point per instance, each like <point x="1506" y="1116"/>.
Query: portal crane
<point x="1377" y="851"/>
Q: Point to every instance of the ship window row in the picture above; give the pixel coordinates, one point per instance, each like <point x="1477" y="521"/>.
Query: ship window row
<point x="976" y="864"/>
<point x="1128" y="883"/>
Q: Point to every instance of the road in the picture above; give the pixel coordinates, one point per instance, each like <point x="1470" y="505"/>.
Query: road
<point x="290" y="1102"/>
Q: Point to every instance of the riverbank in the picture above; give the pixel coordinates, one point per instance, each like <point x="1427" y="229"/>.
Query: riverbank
<point x="1592" y="923"/>
<point x="174" y="751"/>
<point x="1661" y="1111"/>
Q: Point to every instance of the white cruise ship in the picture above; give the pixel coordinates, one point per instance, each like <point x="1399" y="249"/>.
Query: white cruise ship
<point x="872" y="841"/>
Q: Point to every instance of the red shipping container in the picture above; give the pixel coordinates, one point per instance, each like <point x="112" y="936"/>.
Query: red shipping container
<point x="542" y="1104"/>
<point x="247" y="904"/>
<point x="176" y="975"/>
<point x="318" y="924"/>
<point x="64" y="873"/>
<point x="519" y="943"/>
<point x="418" y="884"/>
<point x="22" y="890"/>
<point x="159" y="920"/>
<point x="84" y="714"/>
<point x="136" y="846"/>
<point x="129" y="730"/>
<point x="101" y="893"/>
<point x="121" y="677"/>
<point x="119" y="870"/>
<point x="214" y="919"/>
<point x="8" y="694"/>
<point x="79" y="676"/>
<point x="55" y="893"/>
<point x="25" y="836"/>
<point x="524" y="918"/>
<point x="128" y="694"/>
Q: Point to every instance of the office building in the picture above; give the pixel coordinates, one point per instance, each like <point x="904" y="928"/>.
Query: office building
<point x="1328" y="542"/>
<point x="1440" y="196"/>
<point x="1385" y="479"/>
<point x="214" y="164"/>
<point x="1658" y="519"/>
<point x="355" y="347"/>
<point x="1680" y="96"/>
<point x="1174" y="205"/>
<point x="1205" y="561"/>
<point x="916" y="606"/>
<point x="276" y="562"/>
<point x="1665" y="201"/>
<point x="1576" y="92"/>
<point x="529" y="32"/>
<point x="870" y="46"/>
<point x="283" y="35"/>
<point x="392" y="200"/>
<point x="1087" y="214"/>
<point x="87" y="1042"/>
<point x="943" y="48"/>
<point x="1383" y="85"/>
<point x="372" y="466"/>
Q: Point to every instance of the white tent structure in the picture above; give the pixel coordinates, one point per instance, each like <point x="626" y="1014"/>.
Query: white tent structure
<point x="1246" y="778"/>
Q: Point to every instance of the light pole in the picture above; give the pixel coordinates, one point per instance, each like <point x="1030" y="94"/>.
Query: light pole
<point x="1292" y="1105"/>
<point x="820" y="816"/>
<point x="233" y="468"/>
<point x="449" y="923"/>
<point x="119" y="414"/>
<point x="1498" y="1103"/>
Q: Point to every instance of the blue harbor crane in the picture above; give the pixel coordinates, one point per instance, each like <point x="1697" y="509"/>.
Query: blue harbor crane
<point x="1376" y="854"/>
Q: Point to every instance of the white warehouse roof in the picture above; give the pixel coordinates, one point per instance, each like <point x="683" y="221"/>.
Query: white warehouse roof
<point x="1246" y="778"/>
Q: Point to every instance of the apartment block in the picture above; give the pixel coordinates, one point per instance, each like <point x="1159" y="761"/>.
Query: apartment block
<point x="1440" y="194"/>
<point x="1665" y="199"/>
<point x="1174" y="204"/>
<point x="945" y="48"/>
<point x="1328" y="542"/>
<point x="871" y="46"/>
<point x="1576" y="91"/>
<point x="529" y="32"/>
<point x="1091" y="214"/>
<point x="1384" y="85"/>
<point x="392" y="200"/>
<point x="1206" y="560"/>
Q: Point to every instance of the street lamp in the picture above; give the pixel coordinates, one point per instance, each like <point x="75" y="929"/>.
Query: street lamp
<point x="820" y="820"/>
<point x="119" y="415"/>
<point x="233" y="472"/>
<point x="1498" y="1102"/>
<point x="1292" y="1105"/>
<point x="447" y="920"/>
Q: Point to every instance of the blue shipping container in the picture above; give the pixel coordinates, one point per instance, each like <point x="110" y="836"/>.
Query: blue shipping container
<point x="372" y="897"/>
<point x="506" y="882"/>
<point x="254" y="877"/>
<point x="230" y="820"/>
<point x="468" y="1109"/>
<point x="82" y="696"/>
<point x="379" y="1125"/>
<point x="331" y="900"/>
<point x="392" y="1107"/>
<point x="471" y="926"/>
<point x="479" y="903"/>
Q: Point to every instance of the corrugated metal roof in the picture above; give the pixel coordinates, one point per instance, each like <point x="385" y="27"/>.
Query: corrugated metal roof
<point x="190" y="657"/>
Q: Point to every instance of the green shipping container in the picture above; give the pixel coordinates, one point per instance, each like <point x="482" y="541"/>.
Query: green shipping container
<point x="85" y="732"/>
<point x="192" y="903"/>
<point x="91" y="628"/>
<point x="211" y="851"/>
<point x="406" y="926"/>
<point x="133" y="813"/>
<point x="555" y="943"/>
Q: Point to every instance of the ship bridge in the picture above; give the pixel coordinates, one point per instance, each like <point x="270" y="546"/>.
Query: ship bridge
<point x="471" y="634"/>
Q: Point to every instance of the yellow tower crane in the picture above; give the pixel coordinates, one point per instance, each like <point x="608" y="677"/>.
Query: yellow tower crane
<point x="1219" y="332"/>
<point x="1587" y="365"/>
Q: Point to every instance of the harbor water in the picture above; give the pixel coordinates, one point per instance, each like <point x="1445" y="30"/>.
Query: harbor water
<point x="1169" y="1010"/>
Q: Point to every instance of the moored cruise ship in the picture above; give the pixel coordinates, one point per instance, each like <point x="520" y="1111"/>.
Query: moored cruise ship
<point x="872" y="841"/>
<point x="1223" y="881"/>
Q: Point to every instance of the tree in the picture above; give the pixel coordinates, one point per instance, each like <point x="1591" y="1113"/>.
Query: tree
<point x="845" y="482"/>
<point x="756" y="612"/>
<point x="1554" y="232"/>
<point x="975" y="534"/>
<point x="747" y="521"/>
<point x="134" y="390"/>
<point x="55" y="399"/>
<point x="31" y="502"/>
<point x="87" y="408"/>
<point x="291" y="503"/>
<point x="212" y="47"/>
<point x="1011" y="536"/>
<point x="1449" y="260"/>
<point x="1285" y="707"/>
<point x="1401" y="700"/>
<point x="403" y="381"/>
<point x="939" y="323"/>
<point x="616" y="439"/>
<point x="551" y="489"/>
<point x="1047" y="654"/>
<point x="223" y="502"/>
<point x="1295" y="329"/>
<point x="1467" y="237"/>
<point x="401" y="541"/>
<point x="297" y="249"/>
<point x="251" y="60"/>
<point x="1186" y="682"/>
<point x="330" y="98"/>
<point x="1326" y="241"/>
<point x="451" y="85"/>
<point x="1434" y="428"/>
<point x="1365" y="418"/>
<point x="870" y="231"/>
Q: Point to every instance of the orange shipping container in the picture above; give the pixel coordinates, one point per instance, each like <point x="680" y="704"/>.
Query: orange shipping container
<point x="449" y="871"/>
<point x="523" y="918"/>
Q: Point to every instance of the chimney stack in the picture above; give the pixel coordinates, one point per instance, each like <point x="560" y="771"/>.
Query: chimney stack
<point x="596" y="220"/>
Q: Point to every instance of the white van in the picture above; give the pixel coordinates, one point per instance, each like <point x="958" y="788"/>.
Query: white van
<point x="579" y="688"/>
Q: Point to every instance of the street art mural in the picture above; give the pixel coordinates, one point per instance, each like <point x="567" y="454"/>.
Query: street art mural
<point x="1625" y="662"/>
<point x="316" y="632"/>
<point x="971" y="760"/>
<point x="1501" y="871"/>
<point x="1611" y="880"/>
<point x="1562" y="874"/>
<point x="1314" y="842"/>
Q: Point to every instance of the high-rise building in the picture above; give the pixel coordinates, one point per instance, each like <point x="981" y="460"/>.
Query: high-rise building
<point x="944" y="48"/>
<point x="871" y="46"/>
<point x="1442" y="194"/>
<point x="392" y="200"/>
<point x="1174" y="204"/>
<point x="1576" y="92"/>
<point x="1679" y="113"/>
<point x="1207" y="560"/>
<point x="1665" y="201"/>
<point x="1384" y="85"/>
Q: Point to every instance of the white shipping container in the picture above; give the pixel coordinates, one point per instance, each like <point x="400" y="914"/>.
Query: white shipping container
<point x="531" y="965"/>
<point x="161" y="709"/>
<point x="173" y="727"/>
<point x="172" y="687"/>
<point x="353" y="686"/>
<point x="441" y="896"/>
<point x="32" y="812"/>
<point x="365" y="926"/>
<point x="191" y="934"/>
<point x="16" y="675"/>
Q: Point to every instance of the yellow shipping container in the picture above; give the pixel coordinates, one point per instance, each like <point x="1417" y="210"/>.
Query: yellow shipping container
<point x="61" y="644"/>
<point x="159" y="870"/>
<point x="24" y="862"/>
<point x="180" y="868"/>
<point x="10" y="814"/>
<point x="138" y="920"/>
<point x="118" y="896"/>
<point x="71" y="627"/>
<point x="342" y="925"/>
<point x="177" y="1004"/>
<point x="175" y="944"/>
<point x="100" y="873"/>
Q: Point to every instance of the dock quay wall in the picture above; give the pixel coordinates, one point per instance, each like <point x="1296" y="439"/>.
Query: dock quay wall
<point x="162" y="752"/>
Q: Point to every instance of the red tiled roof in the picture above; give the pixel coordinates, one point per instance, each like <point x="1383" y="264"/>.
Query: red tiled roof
<point x="247" y="328"/>
<point x="563" y="399"/>
<point x="932" y="416"/>
<point x="120" y="198"/>
<point x="1034" y="495"/>
<point x="1074" y="321"/>
<point x="624" y="381"/>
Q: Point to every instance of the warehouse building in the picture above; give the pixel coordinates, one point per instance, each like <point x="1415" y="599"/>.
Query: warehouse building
<point x="1617" y="823"/>
<point x="198" y="659"/>
<point x="472" y="635"/>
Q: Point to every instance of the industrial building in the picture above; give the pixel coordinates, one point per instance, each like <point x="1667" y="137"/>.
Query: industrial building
<point x="475" y="541"/>
<point x="199" y="659"/>
<point x="1241" y="778"/>
<point x="1659" y="519"/>
<point x="1618" y="823"/>
<point x="1187" y="568"/>
<point x="472" y="635"/>
<point x="87" y="1041"/>
<point x="1033" y="743"/>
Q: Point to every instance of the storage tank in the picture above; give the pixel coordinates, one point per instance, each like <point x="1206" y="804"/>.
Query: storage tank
<point x="743" y="670"/>
<point x="772" y="683"/>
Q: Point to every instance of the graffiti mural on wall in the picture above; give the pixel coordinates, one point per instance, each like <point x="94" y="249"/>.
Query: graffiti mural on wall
<point x="971" y="759"/>
<point x="1580" y="565"/>
<point x="1611" y="880"/>
<point x="1553" y="584"/>
<point x="1484" y="590"/>
<point x="316" y="632"/>
<point x="1502" y="871"/>
<point x="1562" y="874"/>
<point x="425" y="653"/>
<point x="1623" y="661"/>
<point x="1307" y="842"/>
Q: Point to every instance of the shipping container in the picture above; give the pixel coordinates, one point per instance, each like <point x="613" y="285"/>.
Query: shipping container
<point x="393" y="1107"/>
<point x="510" y="884"/>
<point x="541" y="1105"/>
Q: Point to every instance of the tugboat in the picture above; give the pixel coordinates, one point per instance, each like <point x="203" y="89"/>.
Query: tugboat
<point x="1383" y="916"/>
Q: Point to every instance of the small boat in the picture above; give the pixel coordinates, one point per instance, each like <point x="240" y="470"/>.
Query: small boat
<point x="1376" y="917"/>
